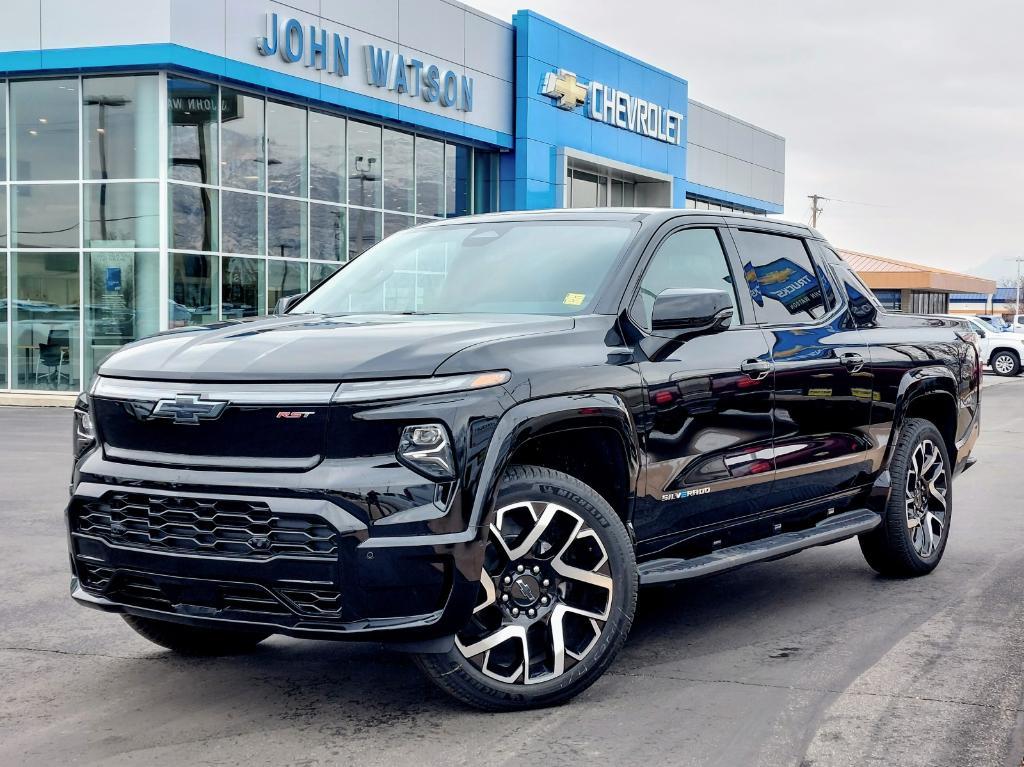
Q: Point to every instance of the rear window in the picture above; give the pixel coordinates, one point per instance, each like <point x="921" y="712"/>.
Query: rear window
<point x="784" y="283"/>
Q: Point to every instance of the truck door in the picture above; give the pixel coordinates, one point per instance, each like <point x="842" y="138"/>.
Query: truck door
<point x="708" y="431"/>
<point x="823" y="374"/>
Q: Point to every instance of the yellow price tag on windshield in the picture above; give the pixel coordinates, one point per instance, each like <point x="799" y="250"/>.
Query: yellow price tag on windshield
<point x="574" y="299"/>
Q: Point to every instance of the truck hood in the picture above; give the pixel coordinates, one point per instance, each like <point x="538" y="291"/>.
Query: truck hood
<point x="308" y="347"/>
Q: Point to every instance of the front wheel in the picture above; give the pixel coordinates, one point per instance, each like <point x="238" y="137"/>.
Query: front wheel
<point x="557" y="596"/>
<point x="915" y="526"/>
<point x="1005" y="363"/>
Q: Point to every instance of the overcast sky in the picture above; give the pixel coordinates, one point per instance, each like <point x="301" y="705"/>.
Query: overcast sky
<point x="914" y="107"/>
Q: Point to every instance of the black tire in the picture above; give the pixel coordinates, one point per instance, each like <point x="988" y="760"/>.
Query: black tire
<point x="1005" y="362"/>
<point x="191" y="640"/>
<point x="892" y="548"/>
<point x="464" y="677"/>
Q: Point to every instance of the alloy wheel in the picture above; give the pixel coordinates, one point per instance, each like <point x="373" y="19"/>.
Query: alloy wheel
<point x="926" y="493"/>
<point x="545" y="597"/>
<point x="1003" y="364"/>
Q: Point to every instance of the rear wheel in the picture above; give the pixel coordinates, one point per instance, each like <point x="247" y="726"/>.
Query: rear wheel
<point x="1005" y="363"/>
<point x="192" y="640"/>
<point x="915" y="527"/>
<point x="557" y="596"/>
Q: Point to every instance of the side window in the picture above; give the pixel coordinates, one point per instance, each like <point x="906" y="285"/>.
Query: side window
<point x="691" y="258"/>
<point x="784" y="284"/>
<point x="861" y="300"/>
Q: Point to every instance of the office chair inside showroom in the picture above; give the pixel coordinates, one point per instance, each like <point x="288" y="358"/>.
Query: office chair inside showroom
<point x="53" y="359"/>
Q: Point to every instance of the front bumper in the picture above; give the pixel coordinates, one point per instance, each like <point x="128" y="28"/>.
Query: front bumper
<point x="299" y="564"/>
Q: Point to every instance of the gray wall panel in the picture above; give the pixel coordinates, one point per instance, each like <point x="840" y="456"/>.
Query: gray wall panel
<point x="20" y="28"/>
<point x="436" y="28"/>
<point x="78" y="24"/>
<point x="727" y="153"/>
<point x="206" y="36"/>
<point x="489" y="47"/>
<point x="380" y="17"/>
<point x="306" y="6"/>
<point x="490" y="98"/>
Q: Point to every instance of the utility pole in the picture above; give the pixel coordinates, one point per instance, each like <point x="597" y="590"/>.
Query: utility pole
<point x="1016" y="308"/>
<point x="815" y="208"/>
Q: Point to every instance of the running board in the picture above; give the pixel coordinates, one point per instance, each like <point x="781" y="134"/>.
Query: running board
<point x="829" y="530"/>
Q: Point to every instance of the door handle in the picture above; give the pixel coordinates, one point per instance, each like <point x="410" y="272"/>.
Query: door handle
<point x="756" y="369"/>
<point x="852" y="361"/>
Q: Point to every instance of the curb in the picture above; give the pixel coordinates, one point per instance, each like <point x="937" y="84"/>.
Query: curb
<point x="37" y="400"/>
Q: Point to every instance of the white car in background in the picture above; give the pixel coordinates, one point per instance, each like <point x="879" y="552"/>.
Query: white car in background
<point x="1001" y="350"/>
<point x="1000" y="324"/>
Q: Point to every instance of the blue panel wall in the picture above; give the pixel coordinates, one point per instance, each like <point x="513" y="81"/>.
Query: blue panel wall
<point x="543" y="129"/>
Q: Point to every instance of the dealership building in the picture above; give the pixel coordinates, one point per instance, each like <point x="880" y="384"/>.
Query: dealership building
<point x="176" y="162"/>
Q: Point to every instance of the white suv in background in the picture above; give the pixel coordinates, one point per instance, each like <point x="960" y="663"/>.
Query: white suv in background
<point x="1003" y="351"/>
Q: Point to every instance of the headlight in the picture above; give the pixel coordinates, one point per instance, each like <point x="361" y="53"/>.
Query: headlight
<point x="83" y="432"/>
<point x="427" y="449"/>
<point x="362" y="391"/>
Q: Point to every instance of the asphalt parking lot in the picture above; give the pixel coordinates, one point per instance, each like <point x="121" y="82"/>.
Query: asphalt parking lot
<point x="812" y="660"/>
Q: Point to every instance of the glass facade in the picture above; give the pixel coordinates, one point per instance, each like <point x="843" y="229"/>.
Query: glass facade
<point x="135" y="202"/>
<point x="703" y="203"/>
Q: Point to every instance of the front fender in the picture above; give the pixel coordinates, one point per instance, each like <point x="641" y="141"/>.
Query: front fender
<point x="547" y="415"/>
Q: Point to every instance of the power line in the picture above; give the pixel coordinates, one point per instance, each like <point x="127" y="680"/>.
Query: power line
<point x="817" y="209"/>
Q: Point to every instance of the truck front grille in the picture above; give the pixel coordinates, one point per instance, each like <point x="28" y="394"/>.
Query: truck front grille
<point x="220" y="527"/>
<point x="167" y="594"/>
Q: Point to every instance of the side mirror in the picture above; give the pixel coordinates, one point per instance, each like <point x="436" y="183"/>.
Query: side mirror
<point x="982" y="333"/>
<point x="286" y="303"/>
<point x="689" y="312"/>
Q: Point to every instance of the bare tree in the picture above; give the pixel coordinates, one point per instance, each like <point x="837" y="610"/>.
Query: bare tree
<point x="1011" y="305"/>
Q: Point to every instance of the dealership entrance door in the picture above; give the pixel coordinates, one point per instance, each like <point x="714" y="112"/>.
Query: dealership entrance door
<point x="592" y="184"/>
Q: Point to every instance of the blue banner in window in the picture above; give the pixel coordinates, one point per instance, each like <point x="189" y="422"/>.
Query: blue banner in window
<point x="788" y="283"/>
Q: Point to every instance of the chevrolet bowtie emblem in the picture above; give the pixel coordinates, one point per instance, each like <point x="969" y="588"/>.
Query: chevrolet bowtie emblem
<point x="563" y="86"/>
<point x="188" y="409"/>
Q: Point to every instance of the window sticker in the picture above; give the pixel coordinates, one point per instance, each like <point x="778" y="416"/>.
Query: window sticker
<point x="574" y="299"/>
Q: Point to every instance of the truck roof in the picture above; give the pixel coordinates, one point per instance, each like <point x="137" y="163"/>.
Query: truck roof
<point x="634" y="214"/>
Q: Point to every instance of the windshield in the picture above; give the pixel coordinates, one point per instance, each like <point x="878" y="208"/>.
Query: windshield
<point x="998" y="323"/>
<point x="521" y="267"/>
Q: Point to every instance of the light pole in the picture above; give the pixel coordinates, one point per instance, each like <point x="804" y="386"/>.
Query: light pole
<point x="103" y="102"/>
<point x="363" y="167"/>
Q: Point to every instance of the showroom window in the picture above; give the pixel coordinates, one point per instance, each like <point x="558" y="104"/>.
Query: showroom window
<point x="250" y="199"/>
<point x="119" y="125"/>
<point x="192" y="115"/>
<point x="327" y="157"/>
<point x="46" y="320"/>
<point x="286" y="149"/>
<point x="80" y="203"/>
<point x="44" y="129"/>
<point x="5" y="328"/>
<point x="332" y="188"/>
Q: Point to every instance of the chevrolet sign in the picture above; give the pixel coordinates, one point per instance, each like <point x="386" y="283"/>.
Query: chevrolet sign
<point x="615" y="107"/>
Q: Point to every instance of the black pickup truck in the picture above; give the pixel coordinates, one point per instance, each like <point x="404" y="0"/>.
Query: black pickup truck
<point x="477" y="441"/>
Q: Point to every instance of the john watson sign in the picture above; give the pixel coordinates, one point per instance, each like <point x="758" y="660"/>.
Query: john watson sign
<point x="318" y="48"/>
<point x="615" y="107"/>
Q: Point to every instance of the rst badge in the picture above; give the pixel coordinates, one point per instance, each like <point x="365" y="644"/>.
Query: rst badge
<point x="294" y="414"/>
<point x="188" y="409"/>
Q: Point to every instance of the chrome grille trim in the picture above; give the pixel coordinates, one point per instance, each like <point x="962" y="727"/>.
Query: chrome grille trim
<point x="236" y="394"/>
